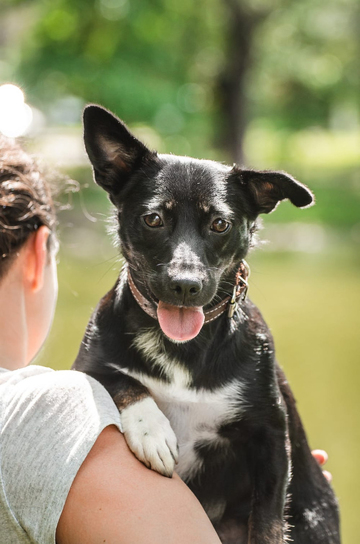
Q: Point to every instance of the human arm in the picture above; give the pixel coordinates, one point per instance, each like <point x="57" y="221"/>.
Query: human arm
<point x="115" y="499"/>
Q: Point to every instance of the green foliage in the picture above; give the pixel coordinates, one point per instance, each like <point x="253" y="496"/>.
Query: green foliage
<point x="131" y="57"/>
<point x="159" y="61"/>
<point x="306" y="69"/>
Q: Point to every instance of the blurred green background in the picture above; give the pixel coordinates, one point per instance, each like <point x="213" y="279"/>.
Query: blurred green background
<point x="266" y="84"/>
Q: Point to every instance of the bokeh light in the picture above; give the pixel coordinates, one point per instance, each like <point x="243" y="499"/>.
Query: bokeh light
<point x="15" y="114"/>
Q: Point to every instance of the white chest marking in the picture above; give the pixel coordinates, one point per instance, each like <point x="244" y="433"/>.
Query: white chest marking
<point x="151" y="344"/>
<point x="195" y="414"/>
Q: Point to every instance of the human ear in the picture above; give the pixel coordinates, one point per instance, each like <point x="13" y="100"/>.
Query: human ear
<point x="37" y="258"/>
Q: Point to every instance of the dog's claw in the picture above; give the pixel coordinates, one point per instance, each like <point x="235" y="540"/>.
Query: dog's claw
<point x="174" y="454"/>
<point x="149" y="436"/>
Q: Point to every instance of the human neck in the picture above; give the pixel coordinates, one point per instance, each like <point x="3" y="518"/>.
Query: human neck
<point x="13" y="327"/>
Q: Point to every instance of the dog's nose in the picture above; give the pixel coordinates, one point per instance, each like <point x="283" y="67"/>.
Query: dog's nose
<point x="185" y="289"/>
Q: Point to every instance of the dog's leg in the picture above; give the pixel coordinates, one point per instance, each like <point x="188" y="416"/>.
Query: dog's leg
<point x="148" y="434"/>
<point x="269" y="460"/>
<point x="146" y="429"/>
<point x="313" y="511"/>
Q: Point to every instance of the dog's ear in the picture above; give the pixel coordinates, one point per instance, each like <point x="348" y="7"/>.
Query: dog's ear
<point x="114" y="152"/>
<point x="266" y="189"/>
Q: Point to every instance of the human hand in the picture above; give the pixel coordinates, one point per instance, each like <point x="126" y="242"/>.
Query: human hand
<point x="321" y="456"/>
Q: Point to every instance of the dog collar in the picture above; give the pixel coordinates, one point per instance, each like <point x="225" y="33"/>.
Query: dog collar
<point x="229" y="303"/>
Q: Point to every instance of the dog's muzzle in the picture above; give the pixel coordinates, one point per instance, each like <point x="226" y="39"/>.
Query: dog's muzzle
<point x="229" y="303"/>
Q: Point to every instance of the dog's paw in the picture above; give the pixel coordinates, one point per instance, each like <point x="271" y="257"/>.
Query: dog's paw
<point x="149" y="435"/>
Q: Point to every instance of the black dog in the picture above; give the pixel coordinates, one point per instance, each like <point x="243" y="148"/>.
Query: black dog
<point x="176" y="336"/>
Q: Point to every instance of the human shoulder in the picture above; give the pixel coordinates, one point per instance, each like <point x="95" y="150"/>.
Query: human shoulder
<point x="49" y="421"/>
<point x="15" y="376"/>
<point x="39" y="391"/>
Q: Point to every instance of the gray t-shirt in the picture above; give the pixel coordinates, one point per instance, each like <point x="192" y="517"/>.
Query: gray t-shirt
<point x="49" y="421"/>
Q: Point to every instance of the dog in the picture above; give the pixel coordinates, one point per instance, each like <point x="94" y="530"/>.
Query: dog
<point x="186" y="356"/>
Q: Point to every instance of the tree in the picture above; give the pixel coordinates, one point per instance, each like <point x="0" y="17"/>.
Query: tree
<point x="197" y="71"/>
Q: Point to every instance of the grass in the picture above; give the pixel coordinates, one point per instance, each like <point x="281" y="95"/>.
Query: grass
<point x="311" y="303"/>
<point x="312" y="306"/>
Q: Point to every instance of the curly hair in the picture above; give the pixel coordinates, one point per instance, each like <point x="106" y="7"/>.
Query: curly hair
<point x="25" y="200"/>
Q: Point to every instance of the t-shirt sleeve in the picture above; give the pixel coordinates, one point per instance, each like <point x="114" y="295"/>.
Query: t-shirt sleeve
<point x="51" y="422"/>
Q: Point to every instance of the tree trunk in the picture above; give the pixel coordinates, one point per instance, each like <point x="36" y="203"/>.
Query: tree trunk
<point x="231" y="86"/>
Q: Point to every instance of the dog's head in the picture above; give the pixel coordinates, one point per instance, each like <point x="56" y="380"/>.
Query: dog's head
<point x="184" y="224"/>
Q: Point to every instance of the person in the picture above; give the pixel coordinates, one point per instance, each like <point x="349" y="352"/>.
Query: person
<point x="66" y="473"/>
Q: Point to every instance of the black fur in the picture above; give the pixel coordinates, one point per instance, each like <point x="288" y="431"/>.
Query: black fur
<point x="262" y="472"/>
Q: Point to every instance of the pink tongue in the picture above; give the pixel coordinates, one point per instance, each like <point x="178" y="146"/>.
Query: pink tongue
<point x="180" y="324"/>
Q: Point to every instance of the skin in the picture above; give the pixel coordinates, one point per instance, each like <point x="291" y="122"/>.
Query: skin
<point x="321" y="456"/>
<point x="114" y="498"/>
<point x="29" y="289"/>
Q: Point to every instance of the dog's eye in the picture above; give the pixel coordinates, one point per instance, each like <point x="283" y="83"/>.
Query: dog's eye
<point x="153" y="220"/>
<point x="220" y="225"/>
